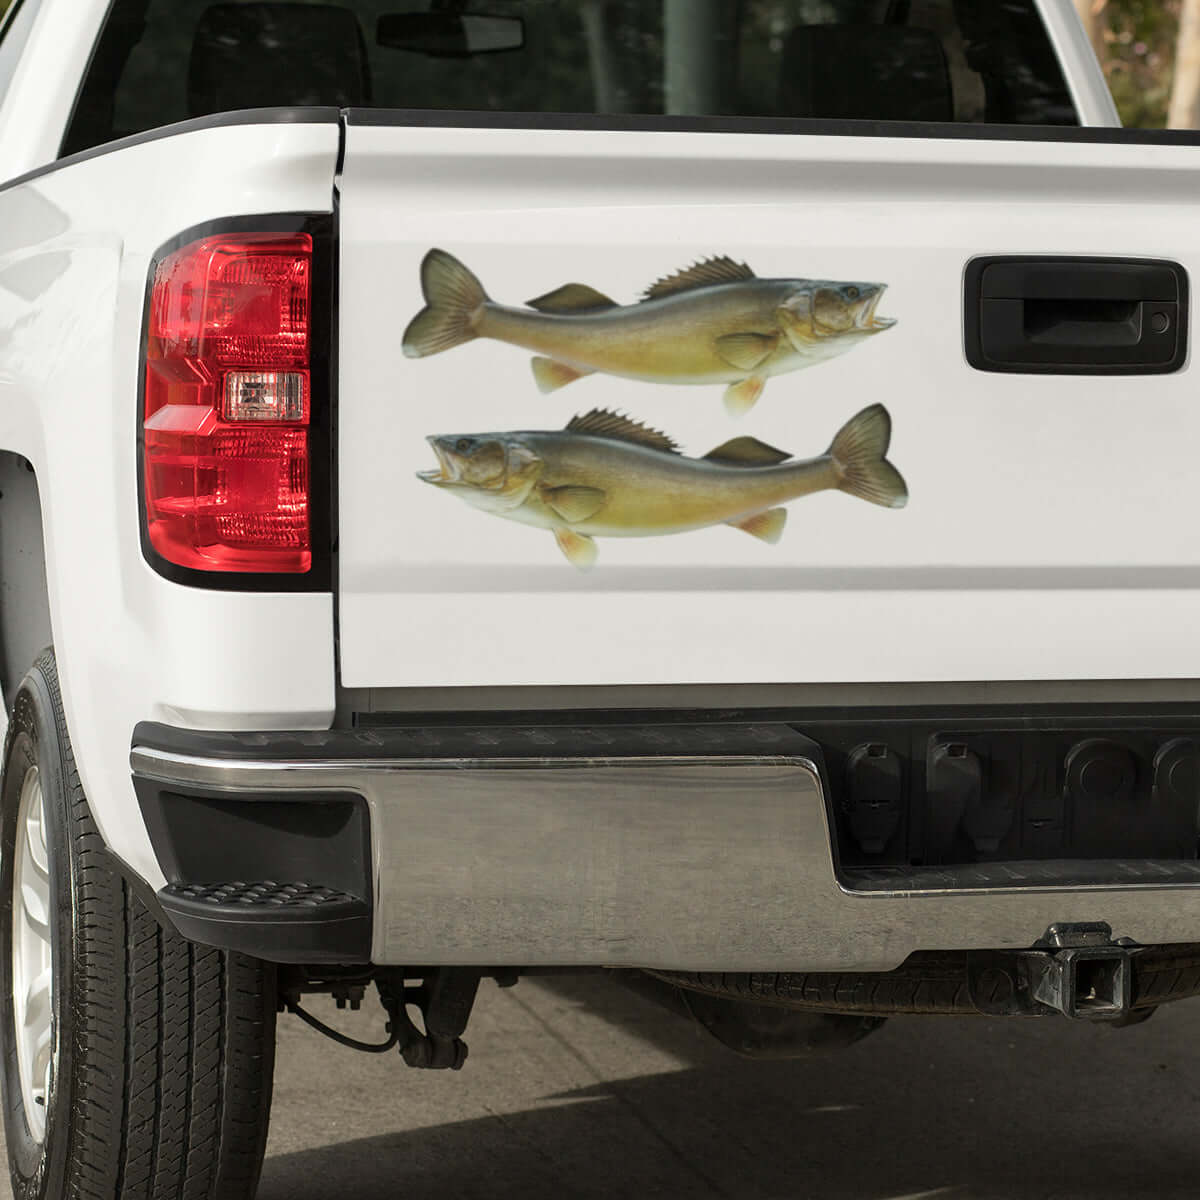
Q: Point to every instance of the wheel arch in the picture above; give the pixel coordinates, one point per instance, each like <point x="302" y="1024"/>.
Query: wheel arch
<point x="24" y="595"/>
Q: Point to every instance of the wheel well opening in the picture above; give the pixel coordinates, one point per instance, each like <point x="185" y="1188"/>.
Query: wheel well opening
<point x="24" y="598"/>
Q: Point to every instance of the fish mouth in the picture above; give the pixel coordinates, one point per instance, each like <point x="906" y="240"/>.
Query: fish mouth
<point x="447" y="469"/>
<point x="868" y="317"/>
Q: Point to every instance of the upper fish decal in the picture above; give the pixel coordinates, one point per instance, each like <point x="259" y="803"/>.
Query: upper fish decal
<point x="607" y="476"/>
<point x="715" y="322"/>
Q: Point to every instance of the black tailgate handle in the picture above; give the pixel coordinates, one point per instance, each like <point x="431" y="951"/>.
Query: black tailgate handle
<point x="1076" y="316"/>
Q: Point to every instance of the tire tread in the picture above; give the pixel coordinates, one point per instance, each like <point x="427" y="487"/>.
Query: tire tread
<point x="173" y="1042"/>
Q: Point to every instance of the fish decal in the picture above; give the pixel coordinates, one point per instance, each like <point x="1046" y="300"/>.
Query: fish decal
<point x="714" y="323"/>
<point x="605" y="475"/>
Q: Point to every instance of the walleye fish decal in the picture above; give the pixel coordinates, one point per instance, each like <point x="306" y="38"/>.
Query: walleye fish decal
<point x="607" y="476"/>
<point x="715" y="322"/>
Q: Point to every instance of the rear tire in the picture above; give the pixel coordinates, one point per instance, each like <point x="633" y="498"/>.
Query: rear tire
<point x="161" y="1051"/>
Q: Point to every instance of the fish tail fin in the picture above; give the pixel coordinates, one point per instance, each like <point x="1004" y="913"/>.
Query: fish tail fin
<point x="453" y="298"/>
<point x="859" y="453"/>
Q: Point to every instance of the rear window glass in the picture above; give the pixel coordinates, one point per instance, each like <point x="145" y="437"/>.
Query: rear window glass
<point x="160" y="61"/>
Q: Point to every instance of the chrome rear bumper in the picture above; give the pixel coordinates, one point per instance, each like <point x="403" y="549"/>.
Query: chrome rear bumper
<point x="654" y="856"/>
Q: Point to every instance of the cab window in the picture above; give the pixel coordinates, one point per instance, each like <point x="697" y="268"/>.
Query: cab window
<point x="160" y="61"/>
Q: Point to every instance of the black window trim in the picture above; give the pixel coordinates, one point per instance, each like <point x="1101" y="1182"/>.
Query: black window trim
<point x="7" y="21"/>
<point x="433" y="118"/>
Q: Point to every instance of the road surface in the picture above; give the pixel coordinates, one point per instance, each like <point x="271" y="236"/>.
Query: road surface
<point x="580" y="1089"/>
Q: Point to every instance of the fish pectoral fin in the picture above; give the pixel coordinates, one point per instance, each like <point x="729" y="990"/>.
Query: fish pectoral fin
<point x="574" y="504"/>
<point x="550" y="375"/>
<point x="747" y="351"/>
<point x="579" y="549"/>
<point x="747" y="452"/>
<point x="766" y="526"/>
<point x="740" y="398"/>
<point x="572" y="298"/>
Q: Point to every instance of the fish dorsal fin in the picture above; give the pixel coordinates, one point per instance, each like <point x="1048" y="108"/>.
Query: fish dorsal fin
<point x="602" y="423"/>
<point x="708" y="273"/>
<point x="747" y="452"/>
<point x="572" y="298"/>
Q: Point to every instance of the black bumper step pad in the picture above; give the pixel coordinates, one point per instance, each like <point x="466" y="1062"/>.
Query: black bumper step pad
<point x="288" y="922"/>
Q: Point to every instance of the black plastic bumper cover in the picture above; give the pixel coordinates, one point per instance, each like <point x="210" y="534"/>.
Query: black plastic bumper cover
<point x="285" y="878"/>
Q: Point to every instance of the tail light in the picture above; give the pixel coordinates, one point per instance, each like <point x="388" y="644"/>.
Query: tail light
<point x="228" y="402"/>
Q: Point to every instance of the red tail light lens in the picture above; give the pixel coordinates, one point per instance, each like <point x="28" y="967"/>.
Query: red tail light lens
<point x="227" y="405"/>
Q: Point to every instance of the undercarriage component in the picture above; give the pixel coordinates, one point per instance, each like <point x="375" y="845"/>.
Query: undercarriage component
<point x="1087" y="977"/>
<point x="443" y="996"/>
<point x="341" y="1038"/>
<point x="347" y="987"/>
<point x="753" y="1029"/>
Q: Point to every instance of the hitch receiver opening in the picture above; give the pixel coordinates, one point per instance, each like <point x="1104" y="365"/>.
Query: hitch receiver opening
<point x="1088" y="984"/>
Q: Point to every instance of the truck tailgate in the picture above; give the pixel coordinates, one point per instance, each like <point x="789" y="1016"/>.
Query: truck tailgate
<point x="1048" y="532"/>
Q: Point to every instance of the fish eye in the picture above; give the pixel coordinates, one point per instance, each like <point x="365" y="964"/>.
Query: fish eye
<point x="852" y="293"/>
<point x="463" y="445"/>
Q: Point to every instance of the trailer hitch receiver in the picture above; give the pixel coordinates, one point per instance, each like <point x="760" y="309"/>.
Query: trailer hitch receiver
<point x="1087" y="976"/>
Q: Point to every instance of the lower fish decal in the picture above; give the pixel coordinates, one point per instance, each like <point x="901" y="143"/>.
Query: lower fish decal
<point x="605" y="475"/>
<point x="714" y="323"/>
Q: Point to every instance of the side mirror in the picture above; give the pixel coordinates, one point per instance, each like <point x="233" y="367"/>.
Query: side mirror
<point x="450" y="35"/>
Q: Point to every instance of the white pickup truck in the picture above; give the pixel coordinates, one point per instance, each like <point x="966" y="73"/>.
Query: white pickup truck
<point x="791" y="609"/>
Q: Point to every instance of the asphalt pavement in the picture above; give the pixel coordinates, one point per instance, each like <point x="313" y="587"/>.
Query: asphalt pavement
<point x="577" y="1088"/>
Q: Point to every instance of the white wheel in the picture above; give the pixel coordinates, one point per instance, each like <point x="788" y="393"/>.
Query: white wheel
<point x="32" y="962"/>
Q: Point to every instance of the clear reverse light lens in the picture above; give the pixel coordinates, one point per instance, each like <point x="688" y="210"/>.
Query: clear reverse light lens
<point x="265" y="396"/>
